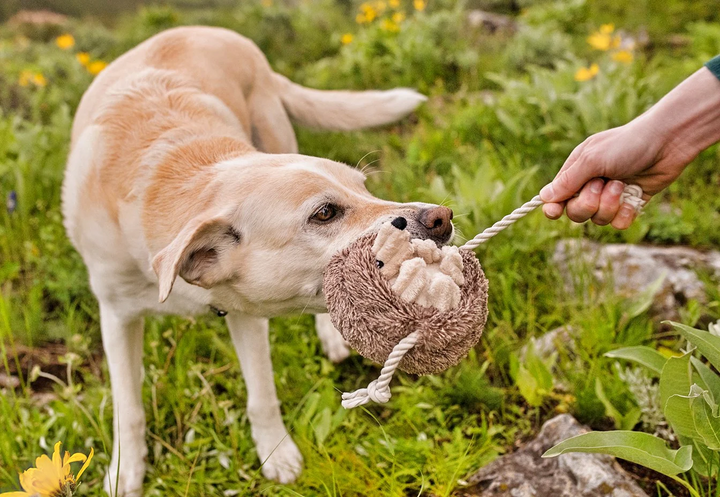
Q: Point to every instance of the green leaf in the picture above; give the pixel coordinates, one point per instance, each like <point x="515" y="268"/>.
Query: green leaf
<point x="675" y="378"/>
<point x="645" y="299"/>
<point x="640" y="448"/>
<point x="622" y="422"/>
<point x="703" y="458"/>
<point x="707" y="343"/>
<point x="645" y="356"/>
<point x="539" y="370"/>
<point x="322" y="424"/>
<point x="528" y="386"/>
<point x="711" y="380"/>
<point x="704" y="415"/>
<point x="675" y="381"/>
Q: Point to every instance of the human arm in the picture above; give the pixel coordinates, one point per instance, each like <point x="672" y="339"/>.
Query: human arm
<point x="651" y="151"/>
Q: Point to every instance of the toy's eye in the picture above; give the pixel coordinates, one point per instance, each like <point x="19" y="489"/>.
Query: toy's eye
<point x="325" y="213"/>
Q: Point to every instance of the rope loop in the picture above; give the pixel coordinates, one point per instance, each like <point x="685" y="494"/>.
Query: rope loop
<point x="378" y="390"/>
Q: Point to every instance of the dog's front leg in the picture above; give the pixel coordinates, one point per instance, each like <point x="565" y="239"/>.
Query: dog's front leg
<point x="279" y="455"/>
<point x="123" y="343"/>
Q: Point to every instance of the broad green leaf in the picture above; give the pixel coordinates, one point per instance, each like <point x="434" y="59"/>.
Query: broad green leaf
<point x="703" y="458"/>
<point x="322" y="424"/>
<point x="640" y="448"/>
<point x="679" y="414"/>
<point x="528" y="386"/>
<point x="707" y="343"/>
<point x="675" y="378"/>
<point x="645" y="356"/>
<point x="704" y="416"/>
<point x="539" y="370"/>
<point x="711" y="380"/>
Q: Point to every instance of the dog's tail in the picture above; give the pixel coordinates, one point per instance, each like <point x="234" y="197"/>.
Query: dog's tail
<point x="345" y="110"/>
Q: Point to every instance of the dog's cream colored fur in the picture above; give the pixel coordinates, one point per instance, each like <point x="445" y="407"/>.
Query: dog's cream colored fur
<point x="184" y="190"/>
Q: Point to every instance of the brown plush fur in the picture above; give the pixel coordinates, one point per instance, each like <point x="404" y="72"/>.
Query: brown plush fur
<point x="373" y="319"/>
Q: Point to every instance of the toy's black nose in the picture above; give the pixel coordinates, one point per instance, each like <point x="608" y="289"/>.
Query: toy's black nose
<point x="399" y="222"/>
<point x="437" y="221"/>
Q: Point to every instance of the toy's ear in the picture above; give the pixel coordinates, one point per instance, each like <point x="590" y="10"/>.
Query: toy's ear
<point x="194" y="254"/>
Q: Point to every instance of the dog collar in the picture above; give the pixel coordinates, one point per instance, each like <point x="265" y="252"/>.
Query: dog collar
<point x="217" y="311"/>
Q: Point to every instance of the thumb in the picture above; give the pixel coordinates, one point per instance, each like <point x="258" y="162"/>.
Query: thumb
<point x="567" y="183"/>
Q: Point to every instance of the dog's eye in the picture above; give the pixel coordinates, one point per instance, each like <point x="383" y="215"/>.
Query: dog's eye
<point x="325" y="213"/>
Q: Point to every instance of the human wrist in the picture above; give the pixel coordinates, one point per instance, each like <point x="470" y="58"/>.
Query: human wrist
<point x="687" y="120"/>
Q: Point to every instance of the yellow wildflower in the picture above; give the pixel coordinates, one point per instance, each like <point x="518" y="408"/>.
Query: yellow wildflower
<point x="36" y="78"/>
<point x="25" y="78"/>
<point x="398" y="17"/>
<point x="65" y="41"/>
<point x="361" y="19"/>
<point x="83" y="58"/>
<point x="389" y="25"/>
<point x="380" y="6"/>
<point x="587" y="73"/>
<point x="267" y="3"/>
<point x="603" y="39"/>
<point x="624" y="56"/>
<point x="39" y="79"/>
<point x="369" y="12"/>
<point x="96" y="67"/>
<point x="346" y="39"/>
<point x="419" y="5"/>
<point x="394" y="3"/>
<point x="52" y="478"/>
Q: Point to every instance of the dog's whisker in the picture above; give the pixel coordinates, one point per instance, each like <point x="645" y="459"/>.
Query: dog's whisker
<point x="363" y="157"/>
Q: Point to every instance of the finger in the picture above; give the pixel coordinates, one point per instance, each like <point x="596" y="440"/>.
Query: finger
<point x="624" y="218"/>
<point x="553" y="210"/>
<point x="571" y="177"/>
<point x="609" y="203"/>
<point x="585" y="205"/>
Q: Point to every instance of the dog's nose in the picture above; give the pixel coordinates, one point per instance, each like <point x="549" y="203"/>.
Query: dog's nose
<point x="437" y="221"/>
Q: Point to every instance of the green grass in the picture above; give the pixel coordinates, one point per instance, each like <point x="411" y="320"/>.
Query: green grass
<point x="504" y="112"/>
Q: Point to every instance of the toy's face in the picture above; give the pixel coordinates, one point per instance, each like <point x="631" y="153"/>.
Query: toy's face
<point x="293" y="214"/>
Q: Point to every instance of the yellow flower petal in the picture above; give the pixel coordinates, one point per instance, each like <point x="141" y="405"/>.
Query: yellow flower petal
<point x="394" y="3"/>
<point x="587" y="73"/>
<point x="607" y="28"/>
<point x="624" y="56"/>
<point x="39" y="80"/>
<point x="398" y="17"/>
<point x="65" y="42"/>
<point x="346" y="39"/>
<point x="87" y="463"/>
<point x="419" y="5"/>
<point x="83" y="58"/>
<point x="96" y="67"/>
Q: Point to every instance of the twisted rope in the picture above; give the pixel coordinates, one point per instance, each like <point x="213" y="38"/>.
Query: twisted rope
<point x="378" y="390"/>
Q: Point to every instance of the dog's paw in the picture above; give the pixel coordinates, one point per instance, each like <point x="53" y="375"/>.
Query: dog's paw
<point x="282" y="463"/>
<point x="333" y="343"/>
<point x="336" y="348"/>
<point x="127" y="483"/>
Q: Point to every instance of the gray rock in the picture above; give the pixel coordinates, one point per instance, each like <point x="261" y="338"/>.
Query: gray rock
<point x="631" y="269"/>
<point x="491" y="22"/>
<point x="525" y="474"/>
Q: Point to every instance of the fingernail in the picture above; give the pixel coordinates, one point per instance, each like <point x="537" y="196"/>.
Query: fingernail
<point x="596" y="186"/>
<point x="626" y="211"/>
<point x="616" y="187"/>
<point x="547" y="193"/>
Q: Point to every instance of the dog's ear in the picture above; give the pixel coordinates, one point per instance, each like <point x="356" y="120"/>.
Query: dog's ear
<point x="194" y="254"/>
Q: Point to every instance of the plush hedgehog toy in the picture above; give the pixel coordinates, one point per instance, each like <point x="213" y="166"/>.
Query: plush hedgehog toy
<point x="385" y="286"/>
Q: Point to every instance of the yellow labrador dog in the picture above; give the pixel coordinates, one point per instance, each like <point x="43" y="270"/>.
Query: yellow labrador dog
<point x="184" y="193"/>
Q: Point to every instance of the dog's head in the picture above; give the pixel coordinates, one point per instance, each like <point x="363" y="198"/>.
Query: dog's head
<point x="272" y="226"/>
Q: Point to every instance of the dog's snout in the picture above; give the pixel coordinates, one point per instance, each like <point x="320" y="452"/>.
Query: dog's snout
<point x="437" y="221"/>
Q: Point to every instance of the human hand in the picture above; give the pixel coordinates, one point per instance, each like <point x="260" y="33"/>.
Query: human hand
<point x="631" y="154"/>
<point x="650" y="151"/>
